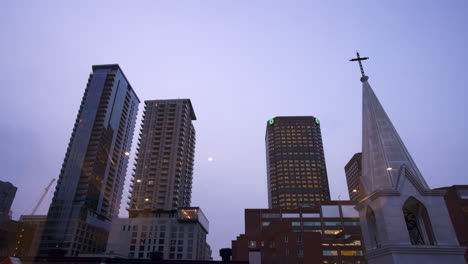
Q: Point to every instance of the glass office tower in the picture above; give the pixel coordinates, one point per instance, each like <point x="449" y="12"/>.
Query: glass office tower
<point x="296" y="170"/>
<point x="90" y="185"/>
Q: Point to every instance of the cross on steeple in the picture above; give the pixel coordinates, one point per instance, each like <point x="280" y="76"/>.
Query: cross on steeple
<point x="359" y="59"/>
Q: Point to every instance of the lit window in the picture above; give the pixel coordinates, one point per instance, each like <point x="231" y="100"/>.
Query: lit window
<point x="351" y="253"/>
<point x="252" y="244"/>
<point x="332" y="232"/>
<point x="265" y="223"/>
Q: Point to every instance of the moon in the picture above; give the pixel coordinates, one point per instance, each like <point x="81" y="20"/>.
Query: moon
<point x="210" y="159"/>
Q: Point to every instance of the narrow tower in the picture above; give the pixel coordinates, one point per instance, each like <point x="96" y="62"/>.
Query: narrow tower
<point x="353" y="171"/>
<point x="402" y="219"/>
<point x="296" y="170"/>
<point x="89" y="188"/>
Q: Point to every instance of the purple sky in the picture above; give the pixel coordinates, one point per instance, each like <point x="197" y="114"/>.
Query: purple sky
<point x="241" y="63"/>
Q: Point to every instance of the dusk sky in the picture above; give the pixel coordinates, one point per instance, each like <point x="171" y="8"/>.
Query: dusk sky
<point x="241" y="63"/>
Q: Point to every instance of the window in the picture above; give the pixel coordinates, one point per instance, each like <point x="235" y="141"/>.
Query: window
<point x="330" y="211"/>
<point x="300" y="252"/>
<point x="351" y="223"/>
<point x="351" y="253"/>
<point x="295" y="223"/>
<point x="332" y="232"/>
<point x="417" y="222"/>
<point x="349" y="211"/>
<point x="330" y="252"/>
<point x="286" y="252"/>
<point x="311" y="224"/>
<point x="299" y="239"/>
<point x="291" y="215"/>
<point x="332" y="223"/>
<point x="265" y="223"/>
<point x="310" y="215"/>
<point x="286" y="239"/>
<point x="271" y="216"/>
<point x="463" y="194"/>
<point x="252" y="244"/>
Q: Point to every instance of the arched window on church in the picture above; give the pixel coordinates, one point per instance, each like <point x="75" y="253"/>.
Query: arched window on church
<point x="372" y="224"/>
<point x="418" y="222"/>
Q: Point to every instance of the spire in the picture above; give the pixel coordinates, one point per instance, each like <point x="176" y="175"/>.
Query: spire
<point x="384" y="156"/>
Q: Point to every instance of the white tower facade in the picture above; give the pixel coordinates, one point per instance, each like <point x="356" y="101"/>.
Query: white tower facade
<point x="402" y="219"/>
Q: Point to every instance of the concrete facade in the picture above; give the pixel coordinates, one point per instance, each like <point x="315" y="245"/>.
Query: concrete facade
<point x="402" y="219"/>
<point x="178" y="235"/>
<point x="164" y="167"/>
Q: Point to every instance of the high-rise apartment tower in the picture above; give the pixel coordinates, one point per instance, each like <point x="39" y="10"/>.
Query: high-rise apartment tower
<point x="297" y="174"/>
<point x="89" y="188"/>
<point x="353" y="171"/>
<point x="161" y="190"/>
<point x="164" y="167"/>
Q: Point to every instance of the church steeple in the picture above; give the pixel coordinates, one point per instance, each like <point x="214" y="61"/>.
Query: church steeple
<point x="402" y="220"/>
<point x="385" y="157"/>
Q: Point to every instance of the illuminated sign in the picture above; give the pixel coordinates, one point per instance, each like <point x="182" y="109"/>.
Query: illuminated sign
<point x="271" y="121"/>
<point x="317" y="121"/>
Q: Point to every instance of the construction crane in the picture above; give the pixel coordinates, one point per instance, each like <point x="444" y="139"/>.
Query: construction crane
<point x="46" y="190"/>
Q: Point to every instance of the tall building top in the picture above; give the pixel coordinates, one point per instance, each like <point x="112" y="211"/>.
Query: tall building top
<point x="115" y="67"/>
<point x="192" y="112"/>
<point x="384" y="156"/>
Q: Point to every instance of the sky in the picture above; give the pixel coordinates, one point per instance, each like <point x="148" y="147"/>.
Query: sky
<point x="241" y="63"/>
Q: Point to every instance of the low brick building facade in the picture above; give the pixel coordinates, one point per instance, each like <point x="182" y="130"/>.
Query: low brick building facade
<point x="327" y="233"/>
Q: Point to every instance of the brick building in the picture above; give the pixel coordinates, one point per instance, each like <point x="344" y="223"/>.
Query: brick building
<point x="326" y="233"/>
<point x="456" y="199"/>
